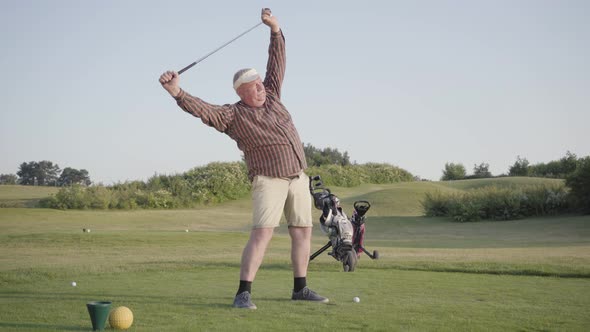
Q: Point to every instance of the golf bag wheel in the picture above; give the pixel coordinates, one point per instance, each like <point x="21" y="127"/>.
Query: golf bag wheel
<point x="349" y="262"/>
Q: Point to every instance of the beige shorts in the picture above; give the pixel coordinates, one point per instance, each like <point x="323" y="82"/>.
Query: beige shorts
<point x="271" y="197"/>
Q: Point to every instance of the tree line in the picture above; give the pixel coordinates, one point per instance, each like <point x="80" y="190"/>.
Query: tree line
<point x="46" y="173"/>
<point x="575" y="171"/>
<point x="555" y="169"/>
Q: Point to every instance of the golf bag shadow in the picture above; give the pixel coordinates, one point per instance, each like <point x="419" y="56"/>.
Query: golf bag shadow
<point x="346" y="235"/>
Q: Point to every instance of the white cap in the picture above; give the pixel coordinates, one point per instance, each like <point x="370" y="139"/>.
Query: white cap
<point x="245" y="76"/>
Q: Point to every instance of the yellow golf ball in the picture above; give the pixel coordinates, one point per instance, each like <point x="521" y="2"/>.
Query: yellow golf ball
<point x="121" y="318"/>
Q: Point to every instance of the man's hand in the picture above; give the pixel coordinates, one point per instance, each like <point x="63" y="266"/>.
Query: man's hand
<point x="169" y="81"/>
<point x="270" y="20"/>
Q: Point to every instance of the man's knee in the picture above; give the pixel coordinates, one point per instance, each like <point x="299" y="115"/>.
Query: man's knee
<point x="261" y="235"/>
<point x="300" y="233"/>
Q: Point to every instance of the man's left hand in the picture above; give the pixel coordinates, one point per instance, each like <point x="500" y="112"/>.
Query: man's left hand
<point x="270" y="20"/>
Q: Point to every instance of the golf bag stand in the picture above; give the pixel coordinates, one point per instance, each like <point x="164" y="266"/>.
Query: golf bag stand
<point x="346" y="235"/>
<point x="358" y="223"/>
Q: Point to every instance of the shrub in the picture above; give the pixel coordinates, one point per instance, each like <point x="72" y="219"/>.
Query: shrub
<point x="123" y="198"/>
<point x="493" y="203"/>
<point x="218" y="182"/>
<point x="436" y="204"/>
<point x="336" y="175"/>
<point x="579" y="182"/>
<point x="385" y="173"/>
<point x="48" y="202"/>
<point x="98" y="197"/>
<point x="466" y="208"/>
<point x="159" y="199"/>
<point x="499" y="203"/>
<point x="213" y="183"/>
<point x="73" y="197"/>
<point x="354" y="175"/>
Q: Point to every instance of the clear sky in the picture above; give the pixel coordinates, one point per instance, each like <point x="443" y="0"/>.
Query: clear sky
<point x="412" y="83"/>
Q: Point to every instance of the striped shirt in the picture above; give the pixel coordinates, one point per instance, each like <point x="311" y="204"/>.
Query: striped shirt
<point x="265" y="134"/>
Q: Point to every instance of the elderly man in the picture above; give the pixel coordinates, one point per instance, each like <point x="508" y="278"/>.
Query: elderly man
<point x="263" y="129"/>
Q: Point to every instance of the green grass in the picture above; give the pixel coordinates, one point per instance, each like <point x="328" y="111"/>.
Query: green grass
<point x="433" y="275"/>
<point x="499" y="182"/>
<point x="23" y="196"/>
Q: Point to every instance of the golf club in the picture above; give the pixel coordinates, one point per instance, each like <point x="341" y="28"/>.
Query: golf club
<point x="217" y="49"/>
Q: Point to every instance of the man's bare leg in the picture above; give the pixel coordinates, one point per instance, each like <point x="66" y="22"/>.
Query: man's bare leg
<point x="251" y="259"/>
<point x="254" y="252"/>
<point x="300" y="249"/>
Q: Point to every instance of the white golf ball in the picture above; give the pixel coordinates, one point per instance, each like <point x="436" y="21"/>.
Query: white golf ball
<point x="74" y="284"/>
<point x="356" y="299"/>
<point x="186" y="230"/>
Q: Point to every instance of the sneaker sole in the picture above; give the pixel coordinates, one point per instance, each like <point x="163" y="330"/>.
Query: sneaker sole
<point x="322" y="301"/>
<point x="251" y="308"/>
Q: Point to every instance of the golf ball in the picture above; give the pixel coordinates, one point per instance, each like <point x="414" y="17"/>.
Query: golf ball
<point x="74" y="284"/>
<point x="356" y="299"/>
<point x="121" y="318"/>
<point x="186" y="230"/>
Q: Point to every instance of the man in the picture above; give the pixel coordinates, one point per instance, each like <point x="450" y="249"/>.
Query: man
<point x="264" y="131"/>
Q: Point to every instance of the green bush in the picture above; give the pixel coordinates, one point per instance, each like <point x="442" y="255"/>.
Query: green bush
<point x="214" y="183"/>
<point x="493" y="203"/>
<point x="218" y="182"/>
<point x="98" y="197"/>
<point x="48" y="202"/>
<point x="73" y="197"/>
<point x="123" y="198"/>
<point x="336" y="175"/>
<point x="159" y="199"/>
<point x="466" y="208"/>
<point x="385" y="173"/>
<point x="354" y="175"/>
<point x="498" y="203"/>
<point x="579" y="182"/>
<point x="436" y="204"/>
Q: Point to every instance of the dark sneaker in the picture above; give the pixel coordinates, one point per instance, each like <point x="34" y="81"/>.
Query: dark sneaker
<point x="307" y="294"/>
<point x="243" y="300"/>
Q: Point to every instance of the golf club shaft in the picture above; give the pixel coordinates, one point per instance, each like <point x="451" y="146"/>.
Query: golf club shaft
<point x="217" y="49"/>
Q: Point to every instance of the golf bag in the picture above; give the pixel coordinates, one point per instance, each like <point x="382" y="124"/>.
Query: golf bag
<point x="346" y="235"/>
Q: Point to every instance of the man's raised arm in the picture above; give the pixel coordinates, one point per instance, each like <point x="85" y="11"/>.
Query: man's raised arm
<point x="275" y="68"/>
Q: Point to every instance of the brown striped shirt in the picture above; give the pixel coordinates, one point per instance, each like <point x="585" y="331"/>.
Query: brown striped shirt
<point x="266" y="134"/>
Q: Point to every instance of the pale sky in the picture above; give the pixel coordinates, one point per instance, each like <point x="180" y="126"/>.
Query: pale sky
<point x="411" y="83"/>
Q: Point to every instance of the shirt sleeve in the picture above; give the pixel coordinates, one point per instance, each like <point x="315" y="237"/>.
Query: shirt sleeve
<point x="277" y="61"/>
<point x="219" y="117"/>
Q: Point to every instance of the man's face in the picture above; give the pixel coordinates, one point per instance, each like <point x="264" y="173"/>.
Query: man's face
<point x="252" y="93"/>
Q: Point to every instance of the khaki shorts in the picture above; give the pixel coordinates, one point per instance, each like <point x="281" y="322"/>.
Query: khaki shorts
<point x="272" y="197"/>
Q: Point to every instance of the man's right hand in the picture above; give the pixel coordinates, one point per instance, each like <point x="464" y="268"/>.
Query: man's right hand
<point x="169" y="81"/>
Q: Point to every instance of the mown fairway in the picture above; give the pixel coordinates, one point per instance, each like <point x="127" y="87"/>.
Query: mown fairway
<point x="433" y="274"/>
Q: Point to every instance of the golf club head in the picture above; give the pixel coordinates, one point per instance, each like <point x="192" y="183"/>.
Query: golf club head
<point x="361" y="207"/>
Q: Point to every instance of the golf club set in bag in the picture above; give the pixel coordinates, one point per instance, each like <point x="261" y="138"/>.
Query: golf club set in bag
<point x="346" y="235"/>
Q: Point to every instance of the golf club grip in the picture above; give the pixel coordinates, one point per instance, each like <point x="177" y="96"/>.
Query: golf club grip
<point x="186" y="68"/>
